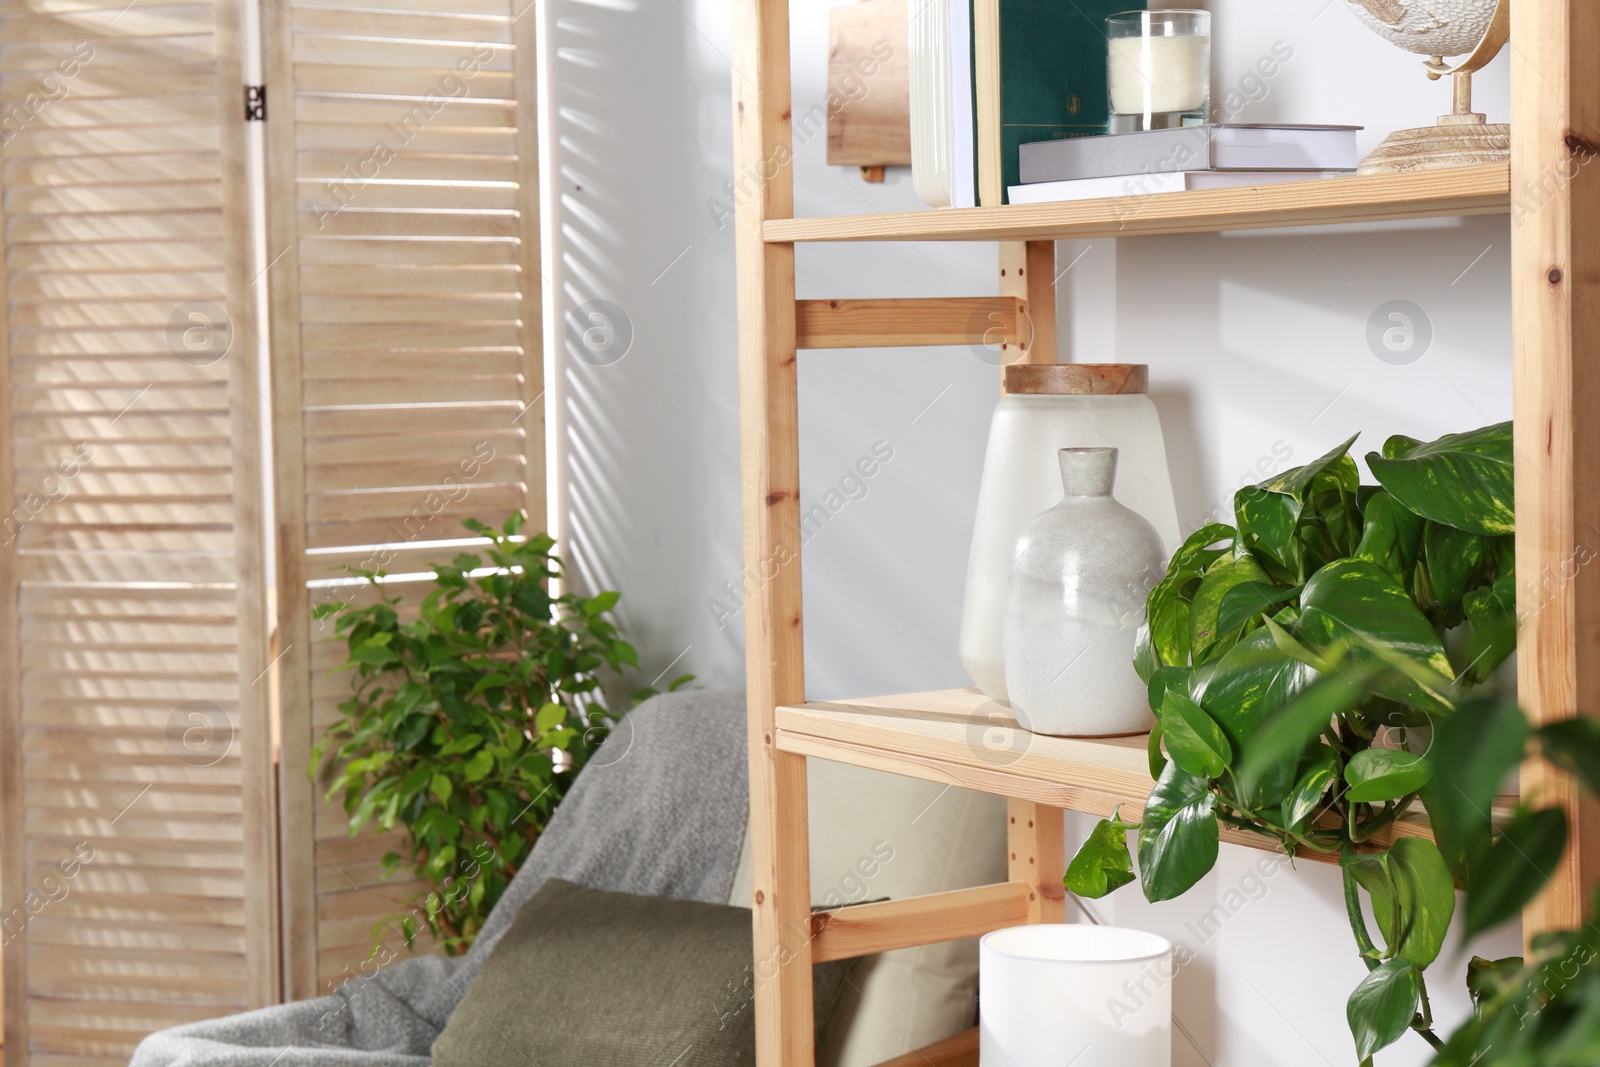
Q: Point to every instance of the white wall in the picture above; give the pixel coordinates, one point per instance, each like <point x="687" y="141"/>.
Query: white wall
<point x="1257" y="342"/>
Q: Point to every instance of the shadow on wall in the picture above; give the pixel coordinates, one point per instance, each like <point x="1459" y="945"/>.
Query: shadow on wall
<point x="645" y="438"/>
<point x="1293" y="340"/>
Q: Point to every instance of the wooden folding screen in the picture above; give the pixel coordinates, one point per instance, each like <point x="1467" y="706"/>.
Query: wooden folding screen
<point x="403" y="230"/>
<point x="134" y="721"/>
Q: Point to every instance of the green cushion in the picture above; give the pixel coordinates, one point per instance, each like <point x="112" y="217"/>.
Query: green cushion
<point x="586" y="978"/>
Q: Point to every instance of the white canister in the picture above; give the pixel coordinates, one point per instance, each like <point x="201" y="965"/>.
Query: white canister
<point x="1091" y="996"/>
<point x="1047" y="408"/>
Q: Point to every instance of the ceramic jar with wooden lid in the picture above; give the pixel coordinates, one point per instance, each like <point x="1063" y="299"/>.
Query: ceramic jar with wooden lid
<point x="1044" y="409"/>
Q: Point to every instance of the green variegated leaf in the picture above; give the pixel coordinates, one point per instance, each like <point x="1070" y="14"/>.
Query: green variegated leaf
<point x="1321" y="772"/>
<point x="1240" y="690"/>
<point x="1102" y="865"/>
<point x="1427" y="898"/>
<point x="1194" y="740"/>
<point x="1353" y="601"/>
<point x="1462" y="480"/>
<point x="1153" y="753"/>
<point x="1167" y="609"/>
<point x="1178" y="836"/>
<point x="1381" y="1008"/>
<point x="1490" y="634"/>
<point x="1269" y="513"/>
<point x="1375" y="775"/>
<point x="1206" y="636"/>
<point x="1288" y="732"/>
<point x="1391" y="537"/>
<point x="1456" y="563"/>
<point x="1247" y="600"/>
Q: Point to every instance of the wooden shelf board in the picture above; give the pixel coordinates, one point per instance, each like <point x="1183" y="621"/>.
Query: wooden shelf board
<point x="959" y="737"/>
<point x="960" y="1050"/>
<point x="1477" y="190"/>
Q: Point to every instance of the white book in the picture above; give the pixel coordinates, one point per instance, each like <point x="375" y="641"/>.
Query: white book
<point x="1159" y="182"/>
<point x="963" y="152"/>
<point x="1224" y="147"/>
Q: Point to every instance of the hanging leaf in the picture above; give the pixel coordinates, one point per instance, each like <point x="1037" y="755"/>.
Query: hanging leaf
<point x="1379" y="774"/>
<point x="1516" y="868"/>
<point x="1574" y="746"/>
<point x="1102" y="865"/>
<point x="1462" y="480"/>
<point x="1473" y="749"/>
<point x="1178" y="836"/>
<point x="1383" y="1005"/>
<point x="1426" y="899"/>
<point x="1194" y="740"/>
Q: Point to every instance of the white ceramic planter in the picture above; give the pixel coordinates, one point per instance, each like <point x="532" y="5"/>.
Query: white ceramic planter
<point x="1060" y="993"/>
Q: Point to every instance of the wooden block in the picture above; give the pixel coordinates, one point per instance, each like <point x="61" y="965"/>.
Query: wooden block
<point x="869" y="96"/>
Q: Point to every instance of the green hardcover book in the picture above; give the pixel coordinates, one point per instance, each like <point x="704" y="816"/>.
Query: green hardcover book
<point x="1052" y="73"/>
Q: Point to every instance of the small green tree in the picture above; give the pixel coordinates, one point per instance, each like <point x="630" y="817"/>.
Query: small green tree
<point x="469" y="723"/>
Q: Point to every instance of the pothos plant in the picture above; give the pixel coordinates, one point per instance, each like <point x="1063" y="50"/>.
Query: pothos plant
<point x="469" y="722"/>
<point x="1290" y="657"/>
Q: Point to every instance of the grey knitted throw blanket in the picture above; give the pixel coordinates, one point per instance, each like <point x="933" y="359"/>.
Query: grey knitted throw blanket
<point x="660" y="810"/>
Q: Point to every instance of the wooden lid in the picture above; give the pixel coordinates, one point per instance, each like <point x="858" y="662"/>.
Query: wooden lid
<point x="1077" y="379"/>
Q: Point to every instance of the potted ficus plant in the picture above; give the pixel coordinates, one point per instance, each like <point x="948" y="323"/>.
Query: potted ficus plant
<point x="469" y="722"/>
<point x="1289" y="656"/>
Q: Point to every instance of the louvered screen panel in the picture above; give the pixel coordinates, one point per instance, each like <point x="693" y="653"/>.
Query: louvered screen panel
<point x="138" y="858"/>
<point x="403" y="220"/>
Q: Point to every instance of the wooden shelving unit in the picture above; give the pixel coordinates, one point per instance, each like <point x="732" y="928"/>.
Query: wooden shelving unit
<point x="952" y="736"/>
<point x="1484" y="190"/>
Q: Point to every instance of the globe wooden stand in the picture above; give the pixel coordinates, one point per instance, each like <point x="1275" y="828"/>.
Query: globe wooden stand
<point x="1461" y="139"/>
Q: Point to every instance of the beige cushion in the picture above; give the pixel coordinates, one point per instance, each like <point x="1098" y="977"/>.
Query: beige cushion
<point x="876" y="835"/>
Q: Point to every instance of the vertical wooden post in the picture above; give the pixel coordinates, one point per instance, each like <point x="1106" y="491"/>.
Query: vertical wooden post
<point x="1555" y="267"/>
<point x="263" y="960"/>
<point x="1036" y="857"/>
<point x="1028" y="272"/>
<point x="770" y="462"/>
<point x="297" y="804"/>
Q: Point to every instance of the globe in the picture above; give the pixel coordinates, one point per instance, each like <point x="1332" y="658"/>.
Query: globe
<point x="1428" y="27"/>
<point x="1475" y="30"/>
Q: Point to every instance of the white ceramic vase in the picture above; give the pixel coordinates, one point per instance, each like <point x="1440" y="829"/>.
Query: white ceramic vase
<point x="1079" y="579"/>
<point x="1046" y="408"/>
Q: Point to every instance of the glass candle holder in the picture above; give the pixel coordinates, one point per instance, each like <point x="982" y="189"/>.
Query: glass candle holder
<point x="1092" y="996"/>
<point x="1159" y="67"/>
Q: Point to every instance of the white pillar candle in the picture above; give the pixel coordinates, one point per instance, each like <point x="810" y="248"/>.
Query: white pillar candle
<point x="1091" y="996"/>
<point x="1152" y="75"/>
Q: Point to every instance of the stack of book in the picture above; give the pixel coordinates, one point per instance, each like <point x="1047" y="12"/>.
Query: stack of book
<point x="1051" y="59"/>
<point x="1167" y="161"/>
